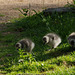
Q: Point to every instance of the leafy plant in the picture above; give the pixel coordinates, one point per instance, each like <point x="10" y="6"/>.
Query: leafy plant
<point x="24" y="12"/>
<point x="74" y="1"/>
<point x="70" y="5"/>
<point x="25" y="56"/>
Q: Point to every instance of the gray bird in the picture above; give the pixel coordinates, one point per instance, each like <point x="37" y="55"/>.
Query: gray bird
<point x="71" y="39"/>
<point x="25" y="44"/>
<point x="52" y="39"/>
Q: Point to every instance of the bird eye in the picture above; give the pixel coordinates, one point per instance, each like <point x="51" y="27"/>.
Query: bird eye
<point x="72" y="42"/>
<point x="44" y="39"/>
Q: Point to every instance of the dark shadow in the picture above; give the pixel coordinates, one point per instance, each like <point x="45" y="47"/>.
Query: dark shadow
<point x="56" y="53"/>
<point x="59" y="10"/>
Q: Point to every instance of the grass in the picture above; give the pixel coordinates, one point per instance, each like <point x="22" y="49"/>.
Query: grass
<point x="59" y="61"/>
<point x="2" y="15"/>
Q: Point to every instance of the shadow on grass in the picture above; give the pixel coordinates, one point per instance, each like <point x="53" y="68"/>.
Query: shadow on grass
<point x="8" y="60"/>
<point x="55" y="53"/>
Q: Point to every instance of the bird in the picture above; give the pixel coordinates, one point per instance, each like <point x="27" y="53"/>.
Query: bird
<point x="52" y="40"/>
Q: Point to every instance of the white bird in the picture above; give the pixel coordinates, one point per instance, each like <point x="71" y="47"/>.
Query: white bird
<point x="52" y="39"/>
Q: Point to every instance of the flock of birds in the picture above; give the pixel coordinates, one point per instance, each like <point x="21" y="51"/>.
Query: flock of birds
<point x="51" y="39"/>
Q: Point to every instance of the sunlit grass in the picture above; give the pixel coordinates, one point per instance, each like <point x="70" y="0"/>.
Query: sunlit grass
<point x="59" y="61"/>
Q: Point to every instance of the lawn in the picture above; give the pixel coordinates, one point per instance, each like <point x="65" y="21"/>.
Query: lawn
<point x="58" y="61"/>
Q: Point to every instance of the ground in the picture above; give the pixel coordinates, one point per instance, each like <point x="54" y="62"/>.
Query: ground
<point x="10" y="11"/>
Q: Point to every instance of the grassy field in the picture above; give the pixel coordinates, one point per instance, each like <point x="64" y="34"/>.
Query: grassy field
<point x="59" y="61"/>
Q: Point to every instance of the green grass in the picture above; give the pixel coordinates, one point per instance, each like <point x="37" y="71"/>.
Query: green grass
<point x="59" y="61"/>
<point x="2" y="15"/>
